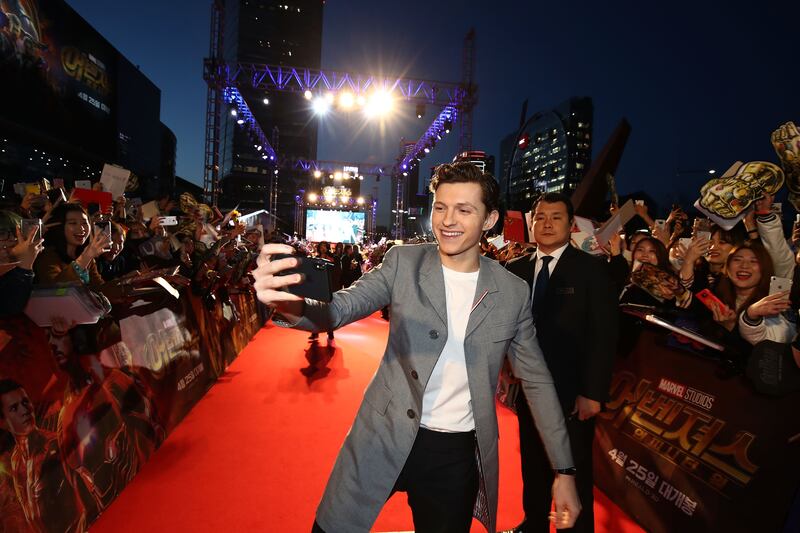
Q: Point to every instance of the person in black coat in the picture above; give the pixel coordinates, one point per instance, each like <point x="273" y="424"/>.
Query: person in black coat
<point x="576" y="316"/>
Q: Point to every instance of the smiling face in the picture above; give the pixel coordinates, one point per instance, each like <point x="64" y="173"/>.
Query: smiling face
<point x="744" y="270"/>
<point x="645" y="252"/>
<point x="551" y="226"/>
<point x="458" y="220"/>
<point x="76" y="228"/>
<point x="719" y="249"/>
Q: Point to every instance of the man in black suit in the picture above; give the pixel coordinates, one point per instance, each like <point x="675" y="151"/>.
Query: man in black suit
<point x="575" y="313"/>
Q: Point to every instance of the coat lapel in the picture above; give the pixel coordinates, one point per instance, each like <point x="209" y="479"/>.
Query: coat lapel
<point x="431" y="280"/>
<point x="484" y="297"/>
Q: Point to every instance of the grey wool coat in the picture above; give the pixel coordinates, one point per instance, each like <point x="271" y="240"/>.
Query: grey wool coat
<point x="411" y="280"/>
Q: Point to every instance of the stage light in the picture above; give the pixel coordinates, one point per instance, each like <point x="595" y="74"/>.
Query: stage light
<point x="379" y="104"/>
<point x="404" y="166"/>
<point x="320" y="106"/>
<point x="337" y="175"/>
<point x="276" y="172"/>
<point x="405" y="173"/>
<point x="427" y="150"/>
<point x="360" y="100"/>
<point x="317" y="174"/>
<point x="712" y="171"/>
<point x="420" y="110"/>
<point x="360" y="200"/>
<point x="240" y="122"/>
<point x="264" y="156"/>
<point x="329" y="97"/>
<point x="312" y="197"/>
<point x="361" y="178"/>
<point x="346" y="100"/>
<point x="233" y="113"/>
<point x="258" y="148"/>
<point x="438" y="136"/>
<point x="266" y="101"/>
<point x="308" y="94"/>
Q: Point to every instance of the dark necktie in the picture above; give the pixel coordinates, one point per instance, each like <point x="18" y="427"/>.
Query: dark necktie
<point x="541" y="286"/>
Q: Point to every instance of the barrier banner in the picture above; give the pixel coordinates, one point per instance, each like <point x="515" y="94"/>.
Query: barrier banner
<point x="82" y="410"/>
<point x="685" y="447"/>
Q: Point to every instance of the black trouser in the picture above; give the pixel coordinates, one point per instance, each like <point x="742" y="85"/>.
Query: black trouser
<point x="537" y="472"/>
<point x="441" y="479"/>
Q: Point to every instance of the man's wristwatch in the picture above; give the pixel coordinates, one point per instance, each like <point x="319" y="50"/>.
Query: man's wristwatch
<point x="567" y="471"/>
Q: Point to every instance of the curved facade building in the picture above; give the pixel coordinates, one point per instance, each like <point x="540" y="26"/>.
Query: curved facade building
<point x="550" y="153"/>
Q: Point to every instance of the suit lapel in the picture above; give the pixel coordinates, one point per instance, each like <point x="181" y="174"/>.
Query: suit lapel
<point x="485" y="293"/>
<point x="431" y="280"/>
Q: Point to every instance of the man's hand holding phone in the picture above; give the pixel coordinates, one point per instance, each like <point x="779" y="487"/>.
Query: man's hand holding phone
<point x="270" y="285"/>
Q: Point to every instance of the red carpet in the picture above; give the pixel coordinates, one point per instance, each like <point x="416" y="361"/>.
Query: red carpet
<point x="256" y="452"/>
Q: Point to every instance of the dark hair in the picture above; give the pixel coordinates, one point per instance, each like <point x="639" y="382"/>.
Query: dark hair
<point x="320" y="244"/>
<point x="662" y="256"/>
<point x="464" y="172"/>
<point x="727" y="291"/>
<point x="735" y="236"/>
<point x="9" y="220"/>
<point x="6" y="386"/>
<point x="54" y="237"/>
<point x="554" y="198"/>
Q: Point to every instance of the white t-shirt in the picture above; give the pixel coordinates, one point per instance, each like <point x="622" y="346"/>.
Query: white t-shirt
<point x="447" y="403"/>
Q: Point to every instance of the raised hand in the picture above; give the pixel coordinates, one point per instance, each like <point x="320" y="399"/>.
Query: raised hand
<point x="268" y="285"/>
<point x="771" y="305"/>
<point x="27" y="248"/>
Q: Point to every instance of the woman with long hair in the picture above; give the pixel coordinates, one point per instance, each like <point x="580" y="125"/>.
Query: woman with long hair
<point x="70" y="249"/>
<point x="744" y="289"/>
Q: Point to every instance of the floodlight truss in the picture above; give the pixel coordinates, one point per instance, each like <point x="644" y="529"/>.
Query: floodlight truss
<point x="234" y="97"/>
<point x="300" y="79"/>
<point x="455" y="98"/>
<point x="432" y="135"/>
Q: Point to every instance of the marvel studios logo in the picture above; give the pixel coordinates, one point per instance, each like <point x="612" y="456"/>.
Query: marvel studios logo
<point x="693" y="396"/>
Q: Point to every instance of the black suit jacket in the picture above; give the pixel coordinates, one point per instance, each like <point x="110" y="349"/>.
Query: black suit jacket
<point x="578" y="328"/>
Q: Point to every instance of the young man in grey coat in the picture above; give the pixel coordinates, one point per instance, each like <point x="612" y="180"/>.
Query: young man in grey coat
<point x="427" y="425"/>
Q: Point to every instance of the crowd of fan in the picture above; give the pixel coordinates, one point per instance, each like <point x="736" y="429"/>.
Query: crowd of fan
<point x="206" y="251"/>
<point x="213" y="254"/>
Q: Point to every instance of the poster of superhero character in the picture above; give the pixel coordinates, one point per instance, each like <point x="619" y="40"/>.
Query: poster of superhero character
<point x="58" y="74"/>
<point x="83" y="408"/>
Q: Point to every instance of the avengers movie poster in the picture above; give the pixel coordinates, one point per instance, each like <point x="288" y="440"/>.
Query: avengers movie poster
<point x="58" y="74"/>
<point x="82" y="409"/>
<point x="685" y="445"/>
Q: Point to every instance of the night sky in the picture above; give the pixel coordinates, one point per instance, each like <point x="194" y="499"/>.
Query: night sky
<point x="702" y="85"/>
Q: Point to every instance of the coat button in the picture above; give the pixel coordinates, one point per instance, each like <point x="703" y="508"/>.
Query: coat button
<point x="414" y="374"/>
<point x="411" y="413"/>
<point x="433" y="334"/>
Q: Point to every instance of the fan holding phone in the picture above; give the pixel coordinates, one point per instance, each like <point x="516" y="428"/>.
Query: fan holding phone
<point x="745" y="293"/>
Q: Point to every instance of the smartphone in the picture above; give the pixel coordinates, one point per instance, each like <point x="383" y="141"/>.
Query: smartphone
<point x="777" y="284"/>
<point x="104" y="227"/>
<point x="708" y="299"/>
<point x="28" y="224"/>
<point x="316" y="277"/>
<point x="703" y="235"/>
<point x="169" y="221"/>
<point x="56" y="195"/>
<point x="660" y="223"/>
<point x="686" y="242"/>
